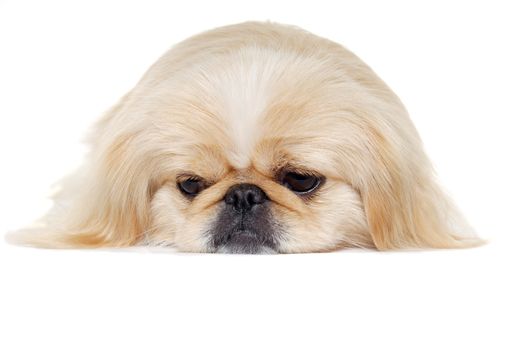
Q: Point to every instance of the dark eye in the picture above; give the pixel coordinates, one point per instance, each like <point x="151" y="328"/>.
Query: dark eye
<point x="191" y="187"/>
<point x="300" y="183"/>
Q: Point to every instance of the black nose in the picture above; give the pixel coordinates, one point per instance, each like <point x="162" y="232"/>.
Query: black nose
<point x="244" y="196"/>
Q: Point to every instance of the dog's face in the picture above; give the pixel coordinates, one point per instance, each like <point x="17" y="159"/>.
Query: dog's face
<point x="251" y="155"/>
<point x="258" y="138"/>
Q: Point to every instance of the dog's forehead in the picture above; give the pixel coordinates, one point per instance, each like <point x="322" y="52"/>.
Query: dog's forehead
<point x="256" y="105"/>
<point x="244" y="90"/>
<point x="258" y="96"/>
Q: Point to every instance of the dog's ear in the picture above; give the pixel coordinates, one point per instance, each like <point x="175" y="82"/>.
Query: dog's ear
<point x="105" y="203"/>
<point x="404" y="206"/>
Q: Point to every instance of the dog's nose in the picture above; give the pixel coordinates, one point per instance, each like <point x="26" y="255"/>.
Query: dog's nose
<point x="244" y="196"/>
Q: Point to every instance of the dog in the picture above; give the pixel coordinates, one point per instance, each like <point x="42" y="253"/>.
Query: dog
<point x="255" y="138"/>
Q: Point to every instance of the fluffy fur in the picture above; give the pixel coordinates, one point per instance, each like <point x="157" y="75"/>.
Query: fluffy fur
<point x="235" y="105"/>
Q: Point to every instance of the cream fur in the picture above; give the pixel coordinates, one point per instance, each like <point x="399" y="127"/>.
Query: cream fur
<point x="235" y="104"/>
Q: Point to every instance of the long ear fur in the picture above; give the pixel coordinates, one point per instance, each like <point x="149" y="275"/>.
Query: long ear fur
<point x="404" y="205"/>
<point x="105" y="203"/>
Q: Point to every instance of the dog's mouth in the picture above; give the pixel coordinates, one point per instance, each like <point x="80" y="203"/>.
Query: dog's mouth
<point x="249" y="231"/>
<point x="244" y="241"/>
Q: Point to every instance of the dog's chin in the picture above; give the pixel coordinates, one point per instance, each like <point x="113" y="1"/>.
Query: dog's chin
<point x="245" y="242"/>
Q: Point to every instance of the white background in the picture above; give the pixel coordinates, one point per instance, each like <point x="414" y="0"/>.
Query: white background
<point x="459" y="67"/>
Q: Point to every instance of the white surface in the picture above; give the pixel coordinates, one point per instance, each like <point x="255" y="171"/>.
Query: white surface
<point x="458" y="67"/>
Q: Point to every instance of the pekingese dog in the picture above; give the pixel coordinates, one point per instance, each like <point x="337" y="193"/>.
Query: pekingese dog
<point x="255" y="138"/>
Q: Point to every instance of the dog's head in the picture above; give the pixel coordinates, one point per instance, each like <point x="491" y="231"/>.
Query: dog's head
<point x="255" y="138"/>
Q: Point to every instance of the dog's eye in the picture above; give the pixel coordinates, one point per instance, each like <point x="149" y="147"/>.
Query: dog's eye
<point x="300" y="183"/>
<point x="191" y="187"/>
